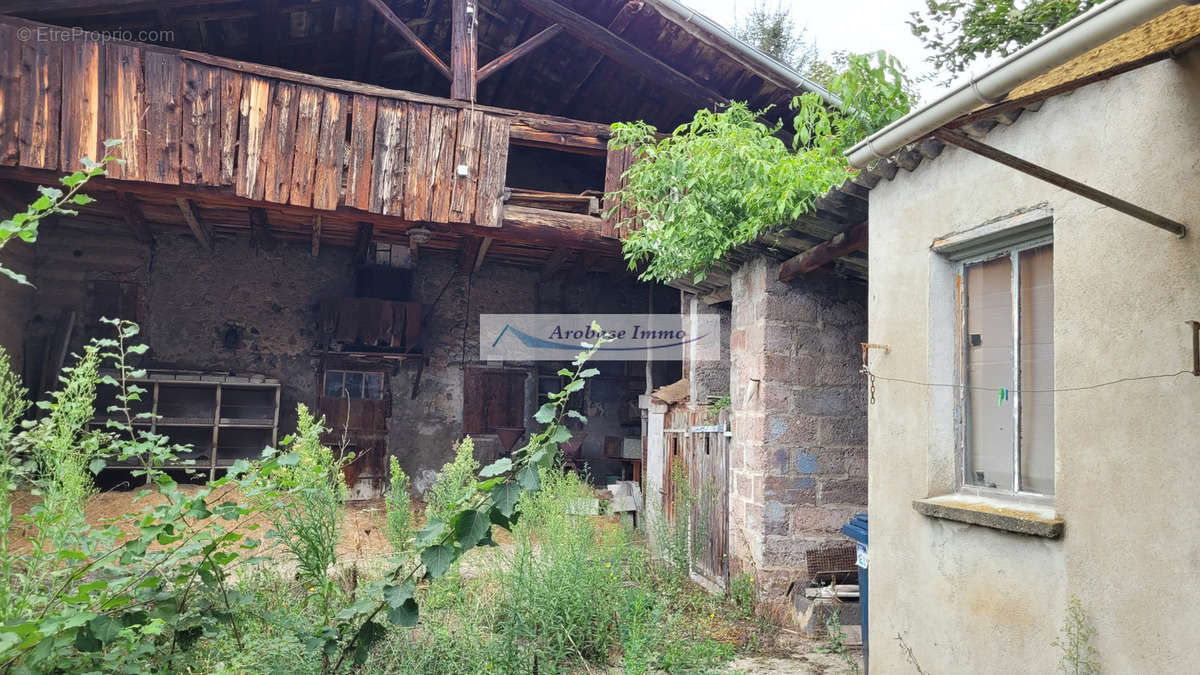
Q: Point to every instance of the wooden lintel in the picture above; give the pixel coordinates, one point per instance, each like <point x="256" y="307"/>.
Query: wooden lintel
<point x="620" y="50"/>
<point x="316" y="235"/>
<point x="463" y="51"/>
<point x="961" y="140"/>
<point x="202" y="230"/>
<point x="508" y="58"/>
<point x="720" y="295"/>
<point x="483" y="249"/>
<point x="523" y="134"/>
<point x="855" y="239"/>
<point x="260" y="230"/>
<point x="135" y="220"/>
<point x="394" y="21"/>
<point x="555" y="262"/>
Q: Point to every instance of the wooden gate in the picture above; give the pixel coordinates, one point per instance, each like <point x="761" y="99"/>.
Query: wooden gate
<point x="697" y="444"/>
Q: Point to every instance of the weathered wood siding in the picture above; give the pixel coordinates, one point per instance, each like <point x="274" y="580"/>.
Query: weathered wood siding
<point x="183" y="121"/>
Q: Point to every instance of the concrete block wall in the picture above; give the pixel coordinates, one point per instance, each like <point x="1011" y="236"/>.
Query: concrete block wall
<point x="799" y="457"/>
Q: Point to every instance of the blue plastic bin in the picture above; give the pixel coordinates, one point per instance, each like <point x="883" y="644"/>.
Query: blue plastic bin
<point x="856" y="529"/>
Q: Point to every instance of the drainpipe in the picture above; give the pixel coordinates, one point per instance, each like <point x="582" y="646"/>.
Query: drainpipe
<point x="1078" y="36"/>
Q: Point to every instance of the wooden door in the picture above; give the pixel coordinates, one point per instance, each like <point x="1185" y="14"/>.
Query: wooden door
<point x="708" y="479"/>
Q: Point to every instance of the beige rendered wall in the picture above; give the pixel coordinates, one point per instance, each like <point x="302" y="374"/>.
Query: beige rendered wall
<point x="965" y="598"/>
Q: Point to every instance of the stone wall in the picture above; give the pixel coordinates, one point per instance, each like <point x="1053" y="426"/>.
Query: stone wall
<point x="243" y="309"/>
<point x="798" y="460"/>
<point x="708" y="379"/>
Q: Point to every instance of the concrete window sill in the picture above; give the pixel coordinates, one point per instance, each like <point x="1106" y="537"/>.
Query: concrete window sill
<point x="994" y="513"/>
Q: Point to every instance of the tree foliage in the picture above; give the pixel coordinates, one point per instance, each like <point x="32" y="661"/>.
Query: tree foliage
<point x="725" y="177"/>
<point x="959" y="32"/>
<point x="773" y="31"/>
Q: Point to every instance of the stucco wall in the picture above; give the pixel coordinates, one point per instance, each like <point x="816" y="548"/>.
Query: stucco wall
<point x="970" y="599"/>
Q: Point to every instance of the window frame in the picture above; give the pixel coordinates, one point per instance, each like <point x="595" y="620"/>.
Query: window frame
<point x="362" y="390"/>
<point x="1006" y="238"/>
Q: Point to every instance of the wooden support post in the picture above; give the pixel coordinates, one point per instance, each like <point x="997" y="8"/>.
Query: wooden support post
<point x="507" y="59"/>
<point x="555" y="262"/>
<point x="822" y="254"/>
<point x="134" y="219"/>
<point x="463" y="53"/>
<point x="618" y="49"/>
<point x="406" y="32"/>
<point x="202" y="230"/>
<point x="260" y="230"/>
<point x="965" y="142"/>
<point x="483" y="249"/>
<point x="316" y="236"/>
<point x="470" y="249"/>
<point x="362" y="242"/>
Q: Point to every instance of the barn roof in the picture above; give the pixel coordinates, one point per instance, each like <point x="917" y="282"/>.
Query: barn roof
<point x="598" y="66"/>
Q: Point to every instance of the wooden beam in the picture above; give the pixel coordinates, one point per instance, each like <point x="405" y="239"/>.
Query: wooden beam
<point x="470" y="249"/>
<point x="523" y="134"/>
<point x="134" y="219"/>
<point x="959" y="139"/>
<point x="823" y="254"/>
<point x="616" y="48"/>
<point x="724" y="294"/>
<point x="406" y="32"/>
<point x="203" y="231"/>
<point x="483" y="249"/>
<point x="463" y="50"/>
<point x="503" y="61"/>
<point x="617" y="26"/>
<point x="260" y="230"/>
<point x="555" y="262"/>
<point x="316" y="235"/>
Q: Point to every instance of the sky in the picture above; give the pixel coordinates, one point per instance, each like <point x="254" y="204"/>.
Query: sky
<point x="852" y="25"/>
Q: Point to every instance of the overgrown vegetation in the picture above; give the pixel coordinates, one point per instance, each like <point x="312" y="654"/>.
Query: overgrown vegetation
<point x="455" y="482"/>
<point x="53" y="201"/>
<point x="1078" y="656"/>
<point x="398" y="506"/>
<point x="726" y="177"/>
<point x="959" y="32"/>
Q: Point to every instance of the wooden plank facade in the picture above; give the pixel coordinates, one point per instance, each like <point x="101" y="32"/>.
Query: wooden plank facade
<point x="182" y="121"/>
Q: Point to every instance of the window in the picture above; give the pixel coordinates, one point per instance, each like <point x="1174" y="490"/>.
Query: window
<point x="1007" y="367"/>
<point x="493" y="398"/>
<point x="353" y="385"/>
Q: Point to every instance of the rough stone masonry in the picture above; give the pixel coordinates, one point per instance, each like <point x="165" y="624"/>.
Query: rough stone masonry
<point x="798" y="462"/>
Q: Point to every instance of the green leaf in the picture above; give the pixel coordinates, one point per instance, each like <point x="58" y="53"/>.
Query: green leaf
<point x="437" y="560"/>
<point x="370" y="633"/>
<point x="546" y="413"/>
<point x="590" y="372"/>
<point x="505" y="497"/>
<point x="97" y="465"/>
<point x="430" y="533"/>
<point x="19" y="278"/>
<point x="577" y="415"/>
<point x="502" y="465"/>
<point x="560" y="435"/>
<point x="470" y="527"/>
<point x="529" y="479"/>
<point x="105" y="628"/>
<point x="406" y="614"/>
<point x="82" y="199"/>
<point x="396" y="595"/>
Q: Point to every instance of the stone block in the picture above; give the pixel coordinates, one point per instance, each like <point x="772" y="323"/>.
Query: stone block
<point x="844" y="314"/>
<point x="826" y="520"/>
<point x="843" y="369"/>
<point x="776" y="520"/>
<point x="844" y="491"/>
<point x="784" y="429"/>
<point x="846" y="430"/>
<point x="790" y="490"/>
<point x="779" y="338"/>
<point x="823" y="401"/>
<point x="794" y="305"/>
<point x="792" y="370"/>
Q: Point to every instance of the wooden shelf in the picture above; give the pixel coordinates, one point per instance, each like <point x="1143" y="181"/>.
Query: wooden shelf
<point x="222" y="417"/>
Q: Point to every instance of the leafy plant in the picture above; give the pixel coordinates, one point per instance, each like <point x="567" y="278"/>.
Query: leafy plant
<point x="398" y="505"/>
<point x="1075" y="637"/>
<point x="455" y="482"/>
<point x="724" y="178"/>
<point x="742" y="594"/>
<point x="835" y="641"/>
<point x="496" y="501"/>
<point x="53" y="201"/>
<point x="959" y="32"/>
<point x="306" y="495"/>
